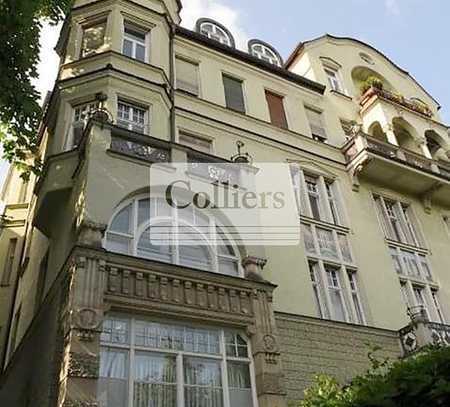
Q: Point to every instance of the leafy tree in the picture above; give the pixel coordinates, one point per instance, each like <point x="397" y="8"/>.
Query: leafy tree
<point x="20" y="112"/>
<point x="419" y="381"/>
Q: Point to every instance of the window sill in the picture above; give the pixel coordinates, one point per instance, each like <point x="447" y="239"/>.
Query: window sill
<point x="340" y="94"/>
<point x="341" y="228"/>
<point x="419" y="281"/>
<point x="407" y="246"/>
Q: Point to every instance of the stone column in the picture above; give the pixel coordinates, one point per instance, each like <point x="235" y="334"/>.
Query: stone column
<point x="82" y="319"/>
<point x="264" y="340"/>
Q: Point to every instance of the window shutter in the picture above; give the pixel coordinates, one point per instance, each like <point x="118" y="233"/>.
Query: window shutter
<point x="187" y="76"/>
<point x="276" y="110"/>
<point x="234" y="96"/>
<point x="316" y="123"/>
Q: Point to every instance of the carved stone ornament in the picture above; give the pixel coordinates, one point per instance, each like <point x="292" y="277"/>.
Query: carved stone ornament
<point x="91" y="233"/>
<point x="87" y="321"/>
<point x="253" y="267"/>
<point x="270" y="343"/>
<point x="83" y="365"/>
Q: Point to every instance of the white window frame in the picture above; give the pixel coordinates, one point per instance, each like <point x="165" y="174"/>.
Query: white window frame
<point x="128" y="123"/>
<point x="322" y="259"/>
<point x="334" y="79"/>
<point x="395" y="221"/>
<point x="216" y="34"/>
<point x="423" y="280"/>
<point x="134" y="42"/>
<point x="265" y="54"/>
<point x="131" y="348"/>
<point x="174" y="220"/>
<point x="325" y="185"/>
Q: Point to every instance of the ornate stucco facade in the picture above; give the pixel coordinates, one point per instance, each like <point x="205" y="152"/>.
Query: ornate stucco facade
<point x="109" y="320"/>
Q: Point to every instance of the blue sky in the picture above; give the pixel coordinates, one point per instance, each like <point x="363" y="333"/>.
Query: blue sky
<point x="413" y="33"/>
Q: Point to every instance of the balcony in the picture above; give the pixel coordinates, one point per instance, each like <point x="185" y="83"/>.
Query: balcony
<point x="420" y="333"/>
<point x="373" y="94"/>
<point x="397" y="168"/>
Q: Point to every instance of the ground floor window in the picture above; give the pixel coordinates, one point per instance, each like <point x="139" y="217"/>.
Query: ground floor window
<point x="151" y="364"/>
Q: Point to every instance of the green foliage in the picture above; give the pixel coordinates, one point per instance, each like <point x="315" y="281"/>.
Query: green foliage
<point x="371" y="82"/>
<point x="20" y="112"/>
<point x="419" y="381"/>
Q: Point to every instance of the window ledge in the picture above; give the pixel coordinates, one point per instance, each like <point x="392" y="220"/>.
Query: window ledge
<point x="341" y="228"/>
<point x="407" y="246"/>
<point x="340" y="94"/>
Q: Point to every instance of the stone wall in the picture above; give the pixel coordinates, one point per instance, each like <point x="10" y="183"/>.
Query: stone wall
<point x="310" y="346"/>
<point x="31" y="378"/>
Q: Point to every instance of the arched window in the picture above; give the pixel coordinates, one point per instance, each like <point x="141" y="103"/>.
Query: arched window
<point x="215" y="31"/>
<point x="149" y="227"/>
<point x="264" y="51"/>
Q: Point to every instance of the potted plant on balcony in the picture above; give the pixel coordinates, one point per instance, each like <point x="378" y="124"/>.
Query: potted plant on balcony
<point x="371" y="82"/>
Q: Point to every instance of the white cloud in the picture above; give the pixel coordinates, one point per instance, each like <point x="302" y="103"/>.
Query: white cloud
<point x="229" y="17"/>
<point x="392" y="7"/>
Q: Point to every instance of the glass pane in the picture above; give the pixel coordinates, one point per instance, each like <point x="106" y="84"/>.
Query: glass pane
<point x="115" y="331"/>
<point x="238" y="377"/>
<point x="338" y="307"/>
<point x="203" y="383"/>
<point x="195" y="256"/>
<point x="122" y="221"/>
<point x="154" y="243"/>
<point x="112" y="387"/>
<point x="155" y="381"/>
<point x="118" y="244"/>
<point x="239" y="385"/>
<point x="345" y="248"/>
<point x="326" y="243"/>
<point x="308" y="238"/>
<point x="140" y="52"/>
<point x="145" y="211"/>
<point x="228" y="267"/>
<point x="127" y="48"/>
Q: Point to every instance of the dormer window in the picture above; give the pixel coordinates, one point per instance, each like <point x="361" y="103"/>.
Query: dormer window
<point x="265" y="52"/>
<point x="215" y="31"/>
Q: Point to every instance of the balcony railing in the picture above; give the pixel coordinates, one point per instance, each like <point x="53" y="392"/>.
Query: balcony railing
<point x="139" y="146"/>
<point x="363" y="142"/>
<point x="421" y="333"/>
<point x="372" y="93"/>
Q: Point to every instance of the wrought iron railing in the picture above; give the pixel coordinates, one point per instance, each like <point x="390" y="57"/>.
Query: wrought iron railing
<point x="140" y="146"/>
<point x="366" y="99"/>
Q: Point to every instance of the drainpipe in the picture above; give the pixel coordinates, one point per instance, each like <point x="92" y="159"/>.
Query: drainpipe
<point x="172" y="82"/>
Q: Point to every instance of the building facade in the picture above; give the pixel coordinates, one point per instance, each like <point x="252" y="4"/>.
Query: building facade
<point x="108" y="318"/>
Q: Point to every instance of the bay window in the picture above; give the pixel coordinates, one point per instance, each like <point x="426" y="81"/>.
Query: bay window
<point x="145" y="363"/>
<point x="150" y="228"/>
